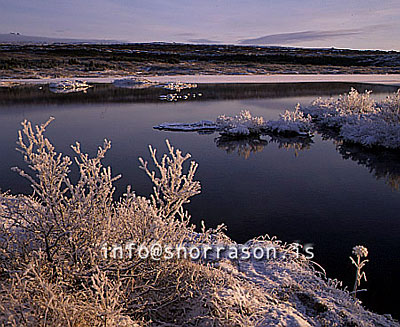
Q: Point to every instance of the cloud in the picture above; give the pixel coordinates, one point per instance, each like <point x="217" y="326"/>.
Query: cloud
<point x="186" y="34"/>
<point x="203" y="41"/>
<point x="287" y="38"/>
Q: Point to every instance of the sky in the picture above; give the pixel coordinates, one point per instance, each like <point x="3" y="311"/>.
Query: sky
<point x="357" y="24"/>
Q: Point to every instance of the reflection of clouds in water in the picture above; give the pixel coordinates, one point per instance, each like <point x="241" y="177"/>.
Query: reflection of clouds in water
<point x="383" y="164"/>
<point x="244" y="147"/>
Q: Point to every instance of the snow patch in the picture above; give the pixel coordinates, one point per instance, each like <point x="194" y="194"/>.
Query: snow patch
<point x="188" y="127"/>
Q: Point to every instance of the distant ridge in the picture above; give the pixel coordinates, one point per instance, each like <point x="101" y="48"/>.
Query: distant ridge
<point x="16" y="38"/>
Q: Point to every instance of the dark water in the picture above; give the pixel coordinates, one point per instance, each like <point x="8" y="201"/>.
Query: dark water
<point x="331" y="195"/>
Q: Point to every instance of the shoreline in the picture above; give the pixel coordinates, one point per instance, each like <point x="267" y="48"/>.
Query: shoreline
<point x="387" y="79"/>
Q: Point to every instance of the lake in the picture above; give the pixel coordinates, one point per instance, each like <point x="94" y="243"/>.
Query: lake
<point x="332" y="195"/>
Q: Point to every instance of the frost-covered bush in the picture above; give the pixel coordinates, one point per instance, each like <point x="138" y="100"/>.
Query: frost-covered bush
<point x="372" y="132"/>
<point x="390" y="108"/>
<point x="380" y="127"/>
<point x="349" y="107"/>
<point x="52" y="269"/>
<point x="243" y="124"/>
<point x="357" y="118"/>
<point x="377" y="126"/>
<point x="291" y="122"/>
<point x="356" y="103"/>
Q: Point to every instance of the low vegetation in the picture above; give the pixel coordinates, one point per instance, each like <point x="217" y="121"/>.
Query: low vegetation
<point x="82" y="60"/>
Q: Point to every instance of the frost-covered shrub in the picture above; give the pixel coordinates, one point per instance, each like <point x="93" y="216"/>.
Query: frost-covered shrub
<point x="390" y="108"/>
<point x="359" y="119"/>
<point x="372" y="131"/>
<point x="51" y="263"/>
<point x="356" y="103"/>
<point x="243" y="124"/>
<point x="347" y="108"/>
<point x="291" y="122"/>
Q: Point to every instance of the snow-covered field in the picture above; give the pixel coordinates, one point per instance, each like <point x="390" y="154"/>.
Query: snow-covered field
<point x="288" y="78"/>
<point x="393" y="79"/>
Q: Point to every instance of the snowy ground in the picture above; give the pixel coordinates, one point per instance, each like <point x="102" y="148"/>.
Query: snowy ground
<point x="293" y="293"/>
<point x="296" y="78"/>
<point x="287" y="78"/>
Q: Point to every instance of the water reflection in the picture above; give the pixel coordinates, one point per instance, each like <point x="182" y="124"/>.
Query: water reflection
<point x="383" y="164"/>
<point x="107" y="93"/>
<point x="170" y="97"/>
<point x="295" y="143"/>
<point x="246" y="146"/>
